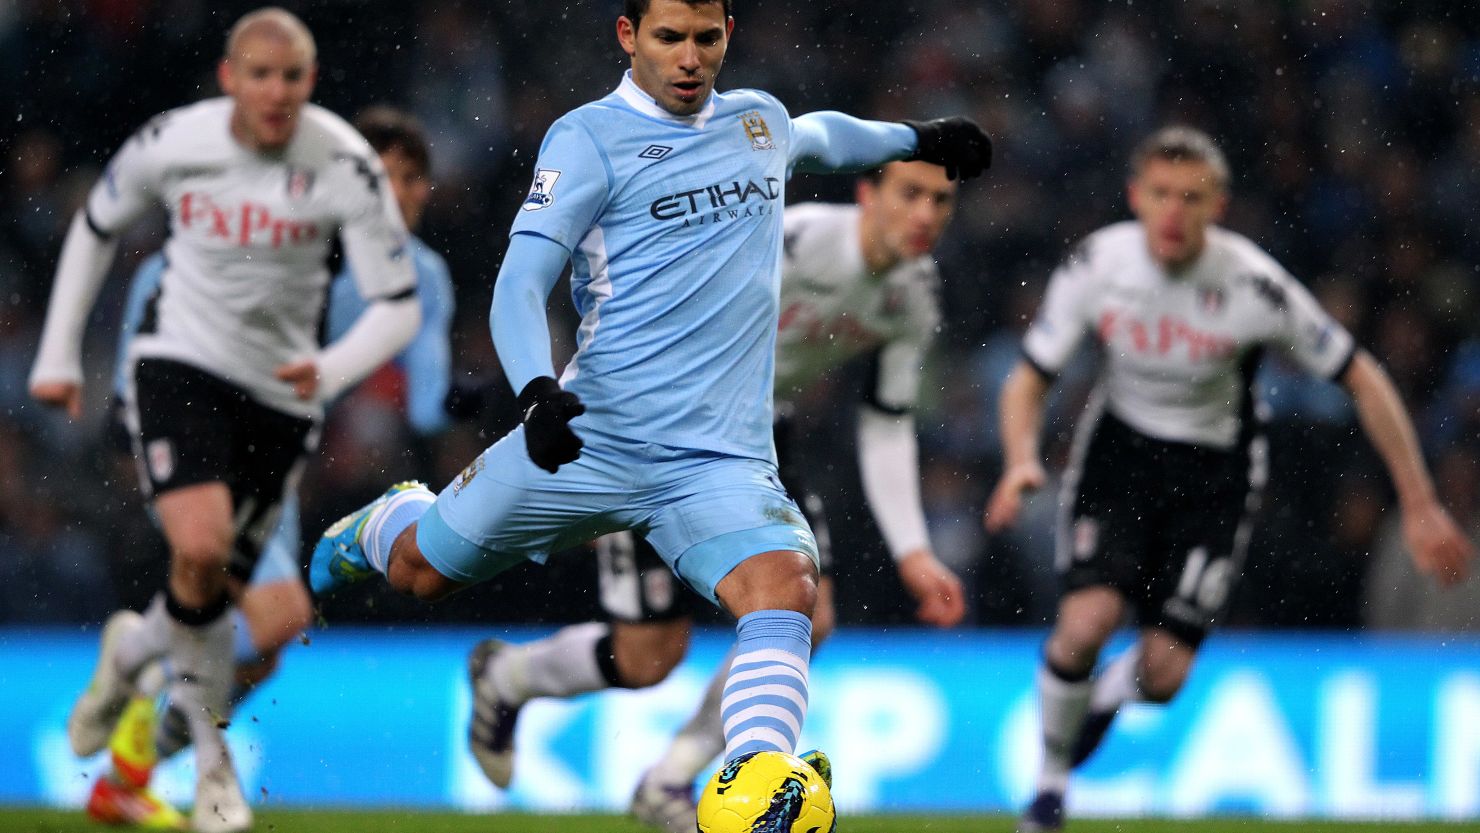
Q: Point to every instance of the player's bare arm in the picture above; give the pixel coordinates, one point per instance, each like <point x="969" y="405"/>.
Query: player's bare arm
<point x="1021" y="413"/>
<point x="1435" y="542"/>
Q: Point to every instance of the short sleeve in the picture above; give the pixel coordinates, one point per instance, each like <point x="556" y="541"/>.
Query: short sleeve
<point x="1063" y="317"/>
<point x="571" y="183"/>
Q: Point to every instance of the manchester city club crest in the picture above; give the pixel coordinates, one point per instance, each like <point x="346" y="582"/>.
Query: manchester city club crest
<point x="757" y="131"/>
<point x="541" y="193"/>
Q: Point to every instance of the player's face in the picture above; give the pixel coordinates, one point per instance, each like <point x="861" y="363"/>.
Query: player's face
<point x="270" y="79"/>
<point x="1176" y="201"/>
<point x="409" y="185"/>
<point x="905" y="212"/>
<point x="677" y="52"/>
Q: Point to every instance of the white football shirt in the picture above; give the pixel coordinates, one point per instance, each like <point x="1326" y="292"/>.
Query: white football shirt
<point x="1180" y="350"/>
<point x="250" y="234"/>
<point x="834" y="309"/>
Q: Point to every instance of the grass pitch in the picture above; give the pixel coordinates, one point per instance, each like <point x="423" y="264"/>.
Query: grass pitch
<point x="411" y="821"/>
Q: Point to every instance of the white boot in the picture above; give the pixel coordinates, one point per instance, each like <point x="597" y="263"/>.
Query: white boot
<point x="97" y="711"/>
<point x="219" y="804"/>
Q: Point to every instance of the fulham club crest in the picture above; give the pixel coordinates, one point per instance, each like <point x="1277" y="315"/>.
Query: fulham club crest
<point x="300" y="182"/>
<point x="1211" y="299"/>
<point x="161" y="456"/>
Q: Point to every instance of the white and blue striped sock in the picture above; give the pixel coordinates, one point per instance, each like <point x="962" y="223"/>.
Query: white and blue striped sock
<point x="765" y="700"/>
<point x="389" y="521"/>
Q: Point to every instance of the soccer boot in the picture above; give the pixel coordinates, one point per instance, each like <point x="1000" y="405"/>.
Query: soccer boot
<point x="97" y="710"/>
<point x="1044" y="815"/>
<point x="132" y="745"/>
<point x="491" y="730"/>
<point x="339" y="558"/>
<point x="817" y="759"/>
<point x="220" y="806"/>
<point x="115" y="802"/>
<point x="1091" y="735"/>
<point x="664" y="806"/>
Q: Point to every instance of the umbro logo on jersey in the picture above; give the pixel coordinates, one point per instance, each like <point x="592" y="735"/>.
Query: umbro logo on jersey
<point x="655" y="152"/>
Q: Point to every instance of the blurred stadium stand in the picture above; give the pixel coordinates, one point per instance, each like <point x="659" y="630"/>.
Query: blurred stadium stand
<point x="1353" y="128"/>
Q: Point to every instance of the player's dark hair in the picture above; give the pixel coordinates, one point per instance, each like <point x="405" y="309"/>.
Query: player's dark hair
<point x="1179" y="143"/>
<point x="387" y="128"/>
<point x="873" y="175"/>
<point x="633" y="10"/>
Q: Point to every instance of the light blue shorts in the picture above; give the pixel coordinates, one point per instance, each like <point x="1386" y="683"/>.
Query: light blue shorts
<point x="704" y="512"/>
<point x="279" y="559"/>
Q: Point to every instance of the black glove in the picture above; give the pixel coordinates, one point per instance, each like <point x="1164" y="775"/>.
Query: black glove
<point x="956" y="144"/>
<point x="547" y="412"/>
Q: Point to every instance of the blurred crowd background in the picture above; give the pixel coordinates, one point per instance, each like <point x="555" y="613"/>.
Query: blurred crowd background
<point x="1353" y="129"/>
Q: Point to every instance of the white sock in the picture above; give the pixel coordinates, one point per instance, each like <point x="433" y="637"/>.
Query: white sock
<point x="1063" y="705"/>
<point x="149" y="642"/>
<point x="151" y="681"/>
<point x="388" y="521"/>
<point x="1118" y="684"/>
<point x="201" y="665"/>
<point x="765" y="699"/>
<point x="702" y="739"/>
<point x="560" y="665"/>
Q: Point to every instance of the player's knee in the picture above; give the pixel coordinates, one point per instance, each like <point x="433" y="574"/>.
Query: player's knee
<point x="824" y="619"/>
<point x="296" y="615"/>
<point x="646" y="654"/>
<point x="778" y="580"/>
<point x="409" y="572"/>
<point x="646" y="672"/>
<point x="1086" y="620"/>
<point x="253" y="674"/>
<point x="431" y="586"/>
<point x="200" y="559"/>
<point x="1160" y="678"/>
<point x="649" y="669"/>
<point x="797" y="590"/>
<point x="1074" y="647"/>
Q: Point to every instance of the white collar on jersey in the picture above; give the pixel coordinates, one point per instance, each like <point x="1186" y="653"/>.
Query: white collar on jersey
<point x="648" y="106"/>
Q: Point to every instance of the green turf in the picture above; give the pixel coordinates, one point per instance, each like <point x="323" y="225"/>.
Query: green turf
<point x="277" y="821"/>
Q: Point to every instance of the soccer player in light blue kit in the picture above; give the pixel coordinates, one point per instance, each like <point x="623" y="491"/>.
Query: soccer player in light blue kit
<point x="274" y="606"/>
<point x="666" y="199"/>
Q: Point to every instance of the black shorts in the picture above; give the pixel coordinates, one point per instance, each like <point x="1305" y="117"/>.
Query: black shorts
<point x="1165" y="523"/>
<point x="636" y="585"/>
<point x="189" y="427"/>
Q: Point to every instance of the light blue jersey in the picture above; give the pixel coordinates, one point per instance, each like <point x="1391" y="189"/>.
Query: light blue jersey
<point x="672" y="225"/>
<point x="674" y="228"/>
<point x="426" y="361"/>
